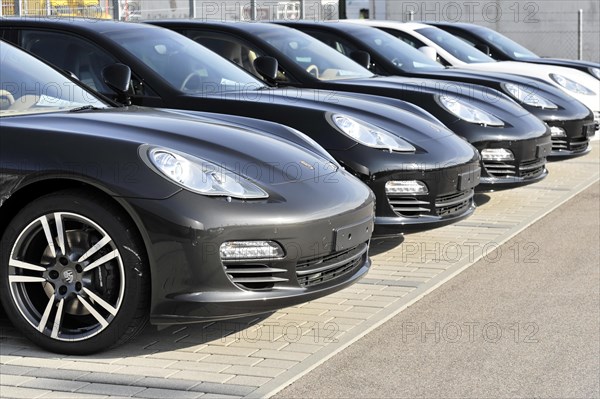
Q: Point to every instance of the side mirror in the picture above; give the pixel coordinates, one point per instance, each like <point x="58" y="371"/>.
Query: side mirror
<point x="361" y="57"/>
<point x="267" y="68"/>
<point x="484" y="48"/>
<point x="118" y="78"/>
<point x="429" y="52"/>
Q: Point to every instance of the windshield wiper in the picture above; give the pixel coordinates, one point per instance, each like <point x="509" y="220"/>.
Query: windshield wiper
<point x="83" y="108"/>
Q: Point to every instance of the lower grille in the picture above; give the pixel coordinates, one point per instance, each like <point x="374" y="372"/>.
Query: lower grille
<point x="254" y="276"/>
<point x="500" y="169"/>
<point x="578" y="144"/>
<point x="319" y="270"/>
<point x="533" y="168"/>
<point x="453" y="204"/>
<point x="409" y="206"/>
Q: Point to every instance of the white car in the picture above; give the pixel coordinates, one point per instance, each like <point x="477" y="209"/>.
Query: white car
<point x="452" y="51"/>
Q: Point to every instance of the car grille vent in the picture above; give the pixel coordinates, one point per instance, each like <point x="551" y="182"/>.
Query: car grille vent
<point x="500" y="169"/>
<point x="254" y="276"/>
<point x="449" y="205"/>
<point x="315" y="271"/>
<point x="409" y="206"/>
<point x="532" y="168"/>
<point x="577" y="144"/>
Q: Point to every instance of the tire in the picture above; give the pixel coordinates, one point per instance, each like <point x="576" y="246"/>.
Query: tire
<point x="79" y="289"/>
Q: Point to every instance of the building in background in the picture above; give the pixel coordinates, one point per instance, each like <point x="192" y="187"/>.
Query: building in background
<point x="547" y="27"/>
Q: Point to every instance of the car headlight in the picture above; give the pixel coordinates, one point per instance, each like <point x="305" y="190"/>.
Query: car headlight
<point x="571" y="85"/>
<point x="369" y="135"/>
<point x="201" y="176"/>
<point x="595" y="72"/>
<point x="527" y="95"/>
<point x="468" y="112"/>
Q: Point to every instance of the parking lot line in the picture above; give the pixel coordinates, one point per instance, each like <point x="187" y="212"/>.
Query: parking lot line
<point x="258" y="356"/>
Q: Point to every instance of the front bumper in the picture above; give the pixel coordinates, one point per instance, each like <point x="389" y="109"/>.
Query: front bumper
<point x="449" y="199"/>
<point x="527" y="167"/>
<point x="325" y="245"/>
<point x="575" y="142"/>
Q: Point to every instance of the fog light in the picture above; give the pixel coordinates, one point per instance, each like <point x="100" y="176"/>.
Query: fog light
<point x="406" y="187"/>
<point x="250" y="250"/>
<point x="497" y="154"/>
<point x="558" y="131"/>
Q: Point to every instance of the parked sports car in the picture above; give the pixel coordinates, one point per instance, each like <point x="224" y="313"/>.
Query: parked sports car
<point x="512" y="142"/>
<point x="571" y="122"/>
<point x="453" y="51"/>
<point x="422" y="174"/>
<point x="110" y="216"/>
<point x="502" y="48"/>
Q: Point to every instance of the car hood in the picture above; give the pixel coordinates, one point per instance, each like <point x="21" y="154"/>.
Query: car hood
<point x="263" y="157"/>
<point x="543" y="72"/>
<point x="473" y="94"/>
<point x="405" y="120"/>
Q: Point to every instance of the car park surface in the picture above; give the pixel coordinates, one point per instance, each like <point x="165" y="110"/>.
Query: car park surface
<point x="506" y="135"/>
<point x="571" y="122"/>
<point x="113" y="215"/>
<point x="423" y="175"/>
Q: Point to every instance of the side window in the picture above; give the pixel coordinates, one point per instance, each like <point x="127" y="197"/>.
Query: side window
<point x="69" y="53"/>
<point x="341" y="45"/>
<point x="413" y="41"/>
<point x="234" y="49"/>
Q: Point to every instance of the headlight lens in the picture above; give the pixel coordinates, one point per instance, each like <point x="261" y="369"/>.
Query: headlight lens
<point x="595" y="72"/>
<point x="468" y="112"/>
<point x="571" y="85"/>
<point x="526" y="95"/>
<point x="201" y="176"/>
<point x="370" y="135"/>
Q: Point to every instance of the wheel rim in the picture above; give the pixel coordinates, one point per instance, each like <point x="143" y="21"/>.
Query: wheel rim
<point x="66" y="276"/>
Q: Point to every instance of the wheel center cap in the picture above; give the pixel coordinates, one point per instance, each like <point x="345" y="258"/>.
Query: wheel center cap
<point x="68" y="276"/>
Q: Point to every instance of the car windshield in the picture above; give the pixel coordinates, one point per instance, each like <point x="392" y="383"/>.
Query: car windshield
<point x="401" y="54"/>
<point x="455" y="46"/>
<point x="28" y="86"/>
<point x="314" y="56"/>
<point x="507" y="45"/>
<point x="186" y="65"/>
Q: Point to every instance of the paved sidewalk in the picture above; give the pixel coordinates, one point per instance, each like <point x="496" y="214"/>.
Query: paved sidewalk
<point x="259" y="356"/>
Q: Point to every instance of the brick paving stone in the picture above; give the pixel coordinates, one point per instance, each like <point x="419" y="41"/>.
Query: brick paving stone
<point x="111" y="378"/>
<point x="259" y="344"/>
<point x="228" y="359"/>
<point x="223" y="389"/>
<point x="145" y="362"/>
<point x="57" y="374"/>
<point x="202" y="376"/>
<point x="178" y="355"/>
<point x="14" y="370"/>
<point x="249" y="380"/>
<point x="14" y="380"/>
<point x="256" y="371"/>
<point x="110" y="389"/>
<point x="218" y="396"/>
<point x="54" y="384"/>
<point x="91" y="367"/>
<point x="229" y="350"/>
<point x="153" y="393"/>
<point x="199" y="366"/>
<point x="270" y="354"/>
<point x="165" y="383"/>
<point x="146" y="371"/>
<point x="71" y="395"/>
<point x="18" y="392"/>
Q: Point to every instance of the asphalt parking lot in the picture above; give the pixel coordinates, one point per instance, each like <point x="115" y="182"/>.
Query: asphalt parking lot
<point x="260" y="356"/>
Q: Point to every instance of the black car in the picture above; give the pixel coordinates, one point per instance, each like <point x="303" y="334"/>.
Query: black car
<point x="571" y="122"/>
<point x="512" y="142"/>
<point x="110" y="216"/>
<point x="422" y="174"/>
<point x="502" y="48"/>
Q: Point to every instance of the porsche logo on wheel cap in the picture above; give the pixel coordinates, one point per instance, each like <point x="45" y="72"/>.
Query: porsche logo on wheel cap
<point x="68" y="276"/>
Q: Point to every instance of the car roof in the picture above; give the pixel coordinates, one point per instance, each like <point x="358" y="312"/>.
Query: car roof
<point x="340" y="26"/>
<point x="462" y="25"/>
<point x="233" y="26"/>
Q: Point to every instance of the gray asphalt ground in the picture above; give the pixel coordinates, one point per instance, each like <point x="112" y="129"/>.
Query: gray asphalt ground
<point x="522" y="322"/>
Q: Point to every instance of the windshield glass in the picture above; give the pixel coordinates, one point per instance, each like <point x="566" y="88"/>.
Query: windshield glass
<point x="184" y="64"/>
<point x="314" y="56"/>
<point x="401" y="54"/>
<point x="455" y="46"/>
<point x="28" y="86"/>
<point x="507" y="45"/>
